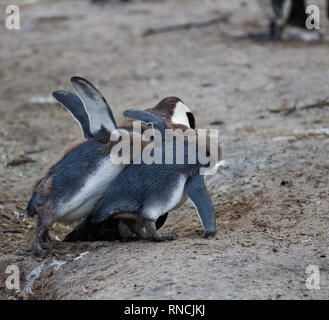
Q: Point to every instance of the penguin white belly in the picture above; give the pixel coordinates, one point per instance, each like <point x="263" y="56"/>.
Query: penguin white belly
<point x="160" y="206"/>
<point x="86" y="198"/>
<point x="181" y="202"/>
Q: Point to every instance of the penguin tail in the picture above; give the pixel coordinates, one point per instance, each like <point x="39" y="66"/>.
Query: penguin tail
<point x="31" y="211"/>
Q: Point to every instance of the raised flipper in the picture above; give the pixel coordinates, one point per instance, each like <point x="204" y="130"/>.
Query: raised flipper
<point x="74" y="105"/>
<point x="196" y="190"/>
<point x="147" y="118"/>
<point x="99" y="112"/>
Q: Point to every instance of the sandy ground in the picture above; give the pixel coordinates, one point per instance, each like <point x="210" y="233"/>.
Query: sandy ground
<point x="270" y="197"/>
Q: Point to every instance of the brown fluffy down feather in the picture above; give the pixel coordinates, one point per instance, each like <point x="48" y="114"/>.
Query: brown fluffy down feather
<point x="47" y="169"/>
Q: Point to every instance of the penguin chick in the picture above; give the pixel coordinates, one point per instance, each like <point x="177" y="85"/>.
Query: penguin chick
<point x="170" y="109"/>
<point x="151" y="190"/>
<point x="72" y="187"/>
<point x="108" y="230"/>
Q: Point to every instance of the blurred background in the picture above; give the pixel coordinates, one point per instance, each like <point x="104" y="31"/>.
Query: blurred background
<point x="268" y="99"/>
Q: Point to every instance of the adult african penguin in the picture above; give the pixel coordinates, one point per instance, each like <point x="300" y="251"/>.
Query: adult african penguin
<point x="281" y="13"/>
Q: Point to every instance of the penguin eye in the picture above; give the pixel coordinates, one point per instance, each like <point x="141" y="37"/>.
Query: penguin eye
<point x="191" y="119"/>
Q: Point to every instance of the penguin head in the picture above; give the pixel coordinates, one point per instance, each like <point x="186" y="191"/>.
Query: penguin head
<point x="174" y="110"/>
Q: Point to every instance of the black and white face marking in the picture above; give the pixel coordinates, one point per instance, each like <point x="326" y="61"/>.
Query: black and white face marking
<point x="183" y="115"/>
<point x="99" y="112"/>
<point x="74" y="106"/>
<point x="191" y="120"/>
<point x="174" y="110"/>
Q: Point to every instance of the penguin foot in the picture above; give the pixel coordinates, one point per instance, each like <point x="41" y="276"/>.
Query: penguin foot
<point x="262" y="37"/>
<point x="41" y="235"/>
<point x="39" y="252"/>
<point x="272" y="35"/>
<point x="151" y="232"/>
<point x="166" y="237"/>
<point x="133" y="237"/>
<point x="209" y="235"/>
<point x="170" y="236"/>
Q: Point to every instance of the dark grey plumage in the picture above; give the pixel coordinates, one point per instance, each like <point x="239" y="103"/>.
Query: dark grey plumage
<point x="85" y="231"/>
<point x="147" y="191"/>
<point x="72" y="187"/>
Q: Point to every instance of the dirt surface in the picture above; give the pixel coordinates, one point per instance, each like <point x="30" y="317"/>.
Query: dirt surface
<point x="270" y="195"/>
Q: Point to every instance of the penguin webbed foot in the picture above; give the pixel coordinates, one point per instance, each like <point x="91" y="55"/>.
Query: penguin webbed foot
<point x="133" y="237"/>
<point x="165" y="237"/>
<point x="169" y="237"/>
<point x="273" y="34"/>
<point x="261" y="37"/>
<point x="152" y="233"/>
<point x="41" y="235"/>
<point x="39" y="251"/>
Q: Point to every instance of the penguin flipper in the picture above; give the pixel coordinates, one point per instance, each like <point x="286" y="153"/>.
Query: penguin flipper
<point x="196" y="190"/>
<point x="147" y="118"/>
<point x="74" y="105"/>
<point x="99" y="112"/>
<point x="114" y="203"/>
